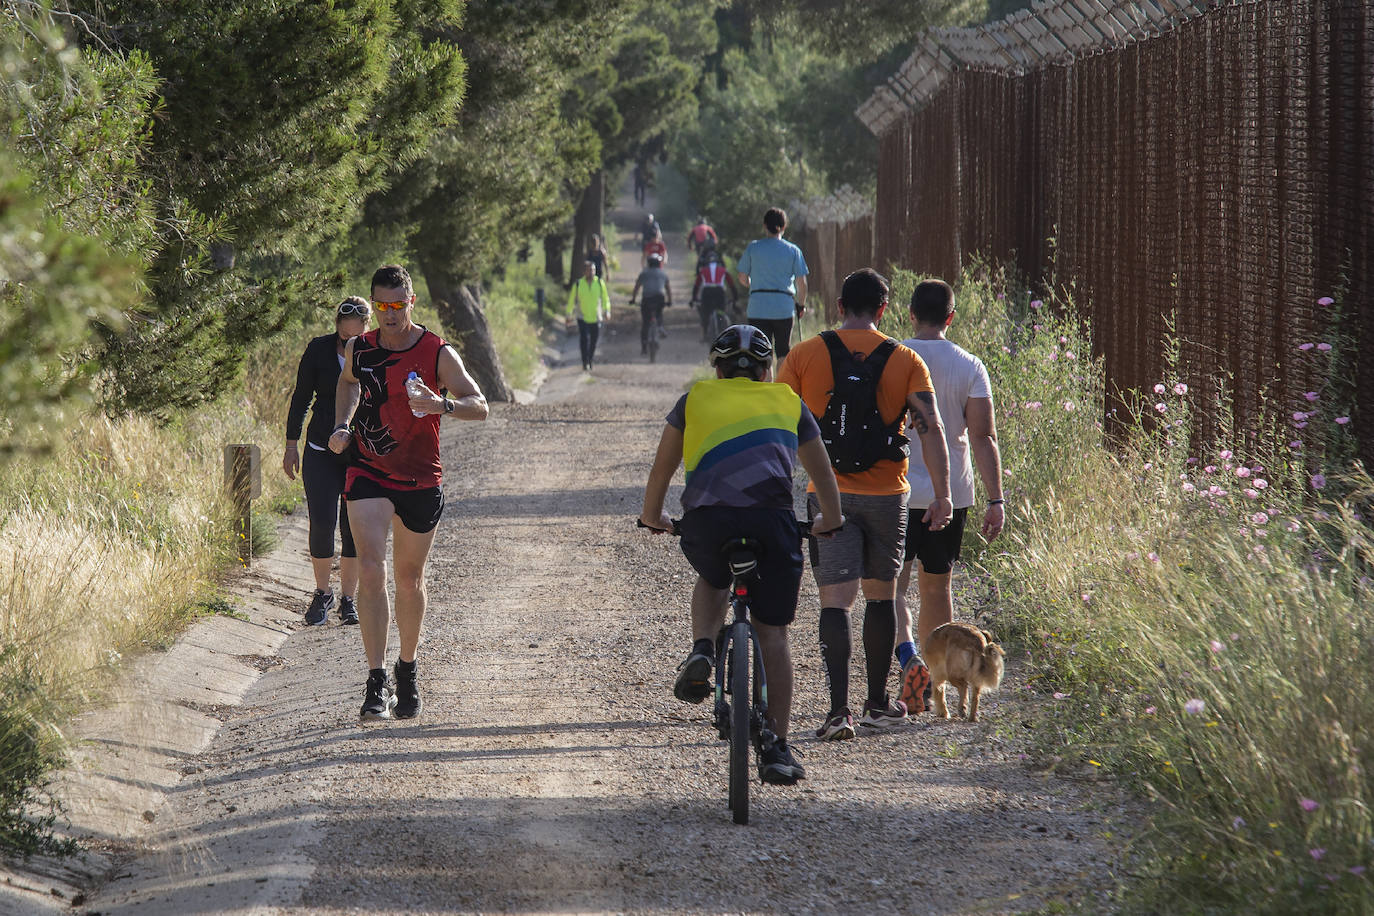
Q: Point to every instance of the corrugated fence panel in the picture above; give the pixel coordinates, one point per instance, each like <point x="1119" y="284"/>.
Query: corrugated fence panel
<point x="1218" y="174"/>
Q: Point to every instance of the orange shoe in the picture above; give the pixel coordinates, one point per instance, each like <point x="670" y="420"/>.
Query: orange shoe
<point x="915" y="692"/>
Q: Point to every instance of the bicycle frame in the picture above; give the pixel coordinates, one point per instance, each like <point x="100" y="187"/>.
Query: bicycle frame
<point x="742" y="628"/>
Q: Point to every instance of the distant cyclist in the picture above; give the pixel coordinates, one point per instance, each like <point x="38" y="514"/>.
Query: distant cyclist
<point x="775" y="272"/>
<point x="709" y="289"/>
<point x="655" y="247"/>
<point x="702" y="237"/>
<point x="653" y="280"/>
<point x="649" y="229"/>
<point x="739" y="436"/>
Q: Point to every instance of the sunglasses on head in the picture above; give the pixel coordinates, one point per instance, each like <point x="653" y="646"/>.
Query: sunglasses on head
<point x="386" y="306"/>
<point x="354" y="308"/>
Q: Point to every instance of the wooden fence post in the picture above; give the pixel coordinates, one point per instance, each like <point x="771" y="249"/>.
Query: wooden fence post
<point x="243" y="480"/>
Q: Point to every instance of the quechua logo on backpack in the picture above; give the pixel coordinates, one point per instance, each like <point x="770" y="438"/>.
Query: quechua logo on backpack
<point x="855" y="436"/>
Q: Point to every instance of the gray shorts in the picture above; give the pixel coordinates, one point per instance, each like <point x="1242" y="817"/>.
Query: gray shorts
<point x="870" y="544"/>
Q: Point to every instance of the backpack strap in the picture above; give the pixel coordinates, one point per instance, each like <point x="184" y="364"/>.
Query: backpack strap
<point x="839" y="353"/>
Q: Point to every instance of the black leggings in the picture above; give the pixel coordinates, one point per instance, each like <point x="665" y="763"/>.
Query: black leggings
<point x="779" y="330"/>
<point x="323" y="475"/>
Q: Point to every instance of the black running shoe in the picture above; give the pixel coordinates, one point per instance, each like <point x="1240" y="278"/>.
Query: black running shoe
<point x="693" y="679"/>
<point x="348" y="611"/>
<point x="778" y="766"/>
<point x="379" y="699"/>
<point x="317" y="615"/>
<point x="408" y="701"/>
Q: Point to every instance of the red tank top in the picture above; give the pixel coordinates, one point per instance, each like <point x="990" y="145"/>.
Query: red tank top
<point x="396" y="448"/>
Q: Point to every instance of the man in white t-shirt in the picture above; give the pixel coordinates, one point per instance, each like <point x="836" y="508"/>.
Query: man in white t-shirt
<point x="964" y="395"/>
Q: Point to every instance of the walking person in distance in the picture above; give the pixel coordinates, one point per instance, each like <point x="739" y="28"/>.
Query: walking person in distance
<point x="774" y="271"/>
<point x="394" y="388"/>
<point x="322" y="472"/>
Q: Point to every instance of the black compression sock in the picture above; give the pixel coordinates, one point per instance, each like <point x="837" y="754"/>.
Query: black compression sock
<point x="706" y="647"/>
<point x="880" y="636"/>
<point x="835" y="651"/>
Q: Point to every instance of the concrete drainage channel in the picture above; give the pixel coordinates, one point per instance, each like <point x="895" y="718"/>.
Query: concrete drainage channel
<point x="131" y="753"/>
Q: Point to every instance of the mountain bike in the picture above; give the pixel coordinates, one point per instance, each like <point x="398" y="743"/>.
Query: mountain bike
<point x="653" y="332"/>
<point x="741" y="707"/>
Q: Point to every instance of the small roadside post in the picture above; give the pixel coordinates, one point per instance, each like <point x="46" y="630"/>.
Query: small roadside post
<point x="539" y="301"/>
<point x="243" y="481"/>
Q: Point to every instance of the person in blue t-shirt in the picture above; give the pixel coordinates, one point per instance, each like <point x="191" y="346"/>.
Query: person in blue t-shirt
<point x="775" y="272"/>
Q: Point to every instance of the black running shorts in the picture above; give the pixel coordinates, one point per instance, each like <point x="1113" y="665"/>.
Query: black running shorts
<point x="937" y="550"/>
<point x="418" y="510"/>
<point x="773" y="597"/>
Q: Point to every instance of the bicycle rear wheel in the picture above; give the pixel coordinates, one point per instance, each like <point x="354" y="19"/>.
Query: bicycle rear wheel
<point x="718" y="325"/>
<point x="739" y="722"/>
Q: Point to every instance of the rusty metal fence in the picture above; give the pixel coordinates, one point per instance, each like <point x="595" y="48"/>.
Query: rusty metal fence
<point x="1211" y="162"/>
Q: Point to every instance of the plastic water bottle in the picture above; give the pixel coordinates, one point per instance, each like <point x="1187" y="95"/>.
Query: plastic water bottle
<point x="414" y="388"/>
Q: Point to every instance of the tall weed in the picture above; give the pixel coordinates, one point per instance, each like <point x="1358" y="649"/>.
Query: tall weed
<point x="1196" y="616"/>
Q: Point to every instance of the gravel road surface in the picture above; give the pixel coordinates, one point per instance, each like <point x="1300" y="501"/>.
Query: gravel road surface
<point x="551" y="770"/>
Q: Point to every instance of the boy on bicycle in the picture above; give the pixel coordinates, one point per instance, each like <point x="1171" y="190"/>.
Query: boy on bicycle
<point x="739" y="436"/>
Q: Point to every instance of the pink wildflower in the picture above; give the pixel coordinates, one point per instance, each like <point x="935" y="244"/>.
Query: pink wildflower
<point x="1341" y="421"/>
<point x="1237" y="822"/>
<point x="1295" y="444"/>
<point x="1215" y="646"/>
<point x="1305" y="347"/>
<point x="1317" y="853"/>
<point x="1159" y="387"/>
<point x="1225" y="453"/>
<point x="1318" y="481"/>
<point x="1324" y="347"/>
<point x="1326" y="300"/>
<point x="1260" y="483"/>
<point x="1259" y="518"/>
<point x="1036" y="303"/>
<point x="1059" y="696"/>
<point x="1311" y="395"/>
<point x="1194" y="707"/>
<point x="1188" y="488"/>
<point x="1251" y="493"/>
<point x="1150" y="710"/>
<point x="1242" y="471"/>
<point x="1308" y="804"/>
<point x="1068" y="406"/>
<point x="1152" y="557"/>
<point x="1161" y="407"/>
<point x="1063" y="340"/>
<point x="1210" y="469"/>
<point x="1180" y="389"/>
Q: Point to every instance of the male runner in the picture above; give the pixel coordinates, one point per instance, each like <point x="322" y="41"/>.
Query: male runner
<point x="394" y="485"/>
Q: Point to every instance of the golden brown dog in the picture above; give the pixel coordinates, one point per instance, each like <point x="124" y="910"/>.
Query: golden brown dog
<point x="966" y="657"/>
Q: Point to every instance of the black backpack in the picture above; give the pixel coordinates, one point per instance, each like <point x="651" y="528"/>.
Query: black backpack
<point x="853" y="431"/>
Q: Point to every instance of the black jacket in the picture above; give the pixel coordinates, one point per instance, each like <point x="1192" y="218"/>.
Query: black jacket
<point x="317" y="375"/>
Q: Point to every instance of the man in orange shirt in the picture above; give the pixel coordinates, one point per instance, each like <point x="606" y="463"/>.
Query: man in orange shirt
<point x="867" y="552"/>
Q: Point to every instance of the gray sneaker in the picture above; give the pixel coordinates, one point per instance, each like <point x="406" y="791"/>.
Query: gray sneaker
<point x="317" y="615"/>
<point x="893" y="715"/>
<point x="348" y="611"/>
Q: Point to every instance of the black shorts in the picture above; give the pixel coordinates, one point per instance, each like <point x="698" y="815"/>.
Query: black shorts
<point x="937" y="550"/>
<point x="773" y="597"/>
<point x="418" y="510"/>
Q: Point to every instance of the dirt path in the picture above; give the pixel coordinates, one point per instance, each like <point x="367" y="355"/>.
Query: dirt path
<point x="551" y="770"/>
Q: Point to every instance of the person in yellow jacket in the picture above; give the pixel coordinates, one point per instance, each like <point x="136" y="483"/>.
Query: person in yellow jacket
<point x="590" y="302"/>
<point x="738" y="436"/>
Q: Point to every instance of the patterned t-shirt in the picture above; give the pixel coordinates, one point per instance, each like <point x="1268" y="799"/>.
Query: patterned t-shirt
<point x="396" y="448"/>
<point x="740" y="441"/>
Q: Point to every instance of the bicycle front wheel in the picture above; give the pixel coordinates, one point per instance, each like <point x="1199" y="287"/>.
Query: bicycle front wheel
<point x="739" y="722"/>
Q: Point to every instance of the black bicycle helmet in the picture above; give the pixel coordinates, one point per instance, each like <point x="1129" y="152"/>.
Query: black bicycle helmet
<point x="655" y="260"/>
<point x="742" y="344"/>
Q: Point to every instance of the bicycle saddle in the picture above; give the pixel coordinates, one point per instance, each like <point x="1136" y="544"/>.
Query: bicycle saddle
<point x="743" y="555"/>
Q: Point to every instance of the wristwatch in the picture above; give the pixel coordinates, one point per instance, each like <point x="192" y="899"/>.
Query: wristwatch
<point x="449" y="404"/>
